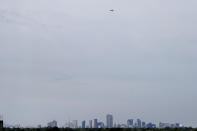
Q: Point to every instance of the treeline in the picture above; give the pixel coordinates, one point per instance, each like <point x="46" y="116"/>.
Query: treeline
<point x="100" y="129"/>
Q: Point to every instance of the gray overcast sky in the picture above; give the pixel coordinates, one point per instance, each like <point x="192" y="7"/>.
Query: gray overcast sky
<point x="75" y="59"/>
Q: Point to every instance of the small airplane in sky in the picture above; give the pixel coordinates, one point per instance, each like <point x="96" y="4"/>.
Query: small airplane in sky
<point x="111" y="10"/>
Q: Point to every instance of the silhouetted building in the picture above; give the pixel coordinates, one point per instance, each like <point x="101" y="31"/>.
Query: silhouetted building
<point x="83" y="124"/>
<point x="109" y="121"/>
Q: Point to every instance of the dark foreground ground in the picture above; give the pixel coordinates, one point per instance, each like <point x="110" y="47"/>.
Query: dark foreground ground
<point x="112" y="129"/>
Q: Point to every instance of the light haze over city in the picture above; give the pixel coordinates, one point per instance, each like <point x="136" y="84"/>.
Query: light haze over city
<point x="77" y="60"/>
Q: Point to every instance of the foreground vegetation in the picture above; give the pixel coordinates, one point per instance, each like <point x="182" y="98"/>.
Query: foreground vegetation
<point x="112" y="129"/>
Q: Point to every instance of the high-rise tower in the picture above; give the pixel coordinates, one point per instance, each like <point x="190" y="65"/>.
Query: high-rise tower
<point x="95" y="123"/>
<point x="109" y="121"/>
<point x="90" y="123"/>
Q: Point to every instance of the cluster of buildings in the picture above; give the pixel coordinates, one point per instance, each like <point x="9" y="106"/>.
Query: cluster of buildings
<point x="92" y="123"/>
<point x="95" y="123"/>
<point x="169" y="125"/>
<point x="138" y="124"/>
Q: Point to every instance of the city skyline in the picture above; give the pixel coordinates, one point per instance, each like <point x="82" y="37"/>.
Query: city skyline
<point x="109" y="123"/>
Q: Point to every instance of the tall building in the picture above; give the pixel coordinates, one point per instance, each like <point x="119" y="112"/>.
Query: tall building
<point x="139" y="123"/>
<point x="109" y="121"/>
<point x="52" y="124"/>
<point x="83" y="124"/>
<point x="90" y="123"/>
<point x="95" y="123"/>
<point x="130" y="122"/>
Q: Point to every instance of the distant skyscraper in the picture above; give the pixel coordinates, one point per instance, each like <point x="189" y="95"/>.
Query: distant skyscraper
<point x="130" y="122"/>
<point x="95" y="123"/>
<point x="139" y="123"/>
<point x="109" y="121"/>
<point x="52" y="124"/>
<point x="83" y="124"/>
<point x="90" y="123"/>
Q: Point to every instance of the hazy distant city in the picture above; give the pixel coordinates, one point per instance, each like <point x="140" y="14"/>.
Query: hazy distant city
<point x="109" y="123"/>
